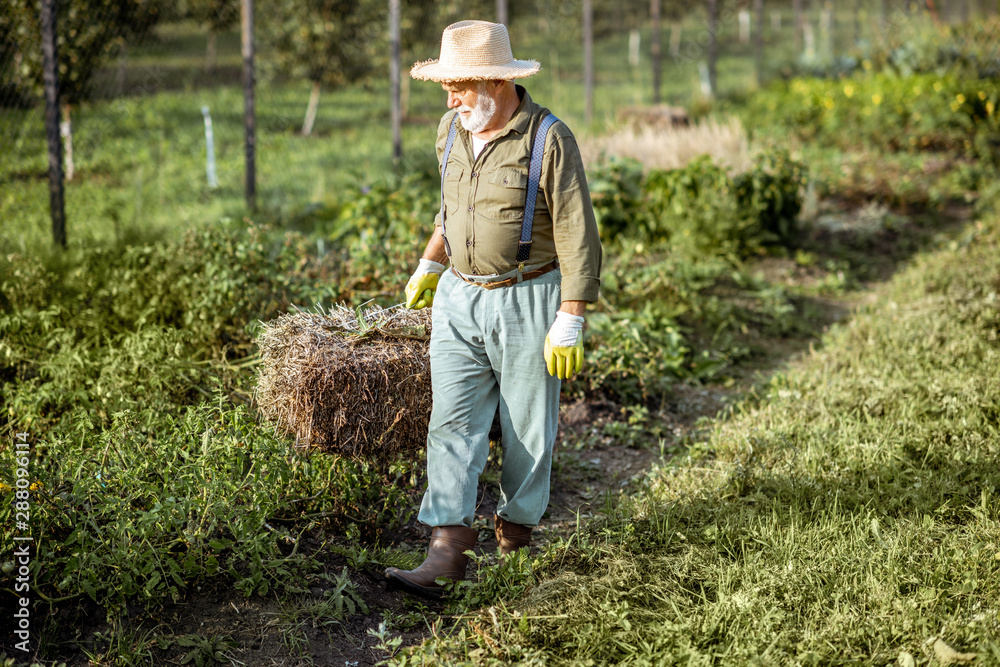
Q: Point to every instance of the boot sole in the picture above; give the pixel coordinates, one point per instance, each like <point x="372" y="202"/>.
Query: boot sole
<point x="399" y="583"/>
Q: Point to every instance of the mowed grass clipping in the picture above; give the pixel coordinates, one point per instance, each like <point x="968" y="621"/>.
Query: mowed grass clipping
<point x="849" y="515"/>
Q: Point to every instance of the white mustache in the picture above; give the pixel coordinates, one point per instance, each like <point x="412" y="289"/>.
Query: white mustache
<point x="464" y="108"/>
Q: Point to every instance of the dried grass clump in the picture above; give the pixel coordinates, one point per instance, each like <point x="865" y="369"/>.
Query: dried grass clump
<point x="355" y="383"/>
<point x="667" y="147"/>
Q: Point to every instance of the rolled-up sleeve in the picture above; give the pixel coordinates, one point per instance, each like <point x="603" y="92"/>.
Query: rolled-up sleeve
<point x="574" y="228"/>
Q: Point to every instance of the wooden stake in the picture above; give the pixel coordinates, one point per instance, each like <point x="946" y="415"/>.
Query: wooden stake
<point x="249" y="115"/>
<point x="502" y="11"/>
<point x="394" y="82"/>
<point x="654" y="47"/>
<point x="51" y="81"/>
<point x="713" y="44"/>
<point x="588" y="61"/>
<point x="758" y="42"/>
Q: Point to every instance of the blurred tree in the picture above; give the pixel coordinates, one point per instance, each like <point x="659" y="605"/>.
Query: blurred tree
<point x="216" y="16"/>
<point x="89" y="32"/>
<point x="330" y="43"/>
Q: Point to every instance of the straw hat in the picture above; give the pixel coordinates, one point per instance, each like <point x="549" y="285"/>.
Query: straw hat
<point x="474" y="51"/>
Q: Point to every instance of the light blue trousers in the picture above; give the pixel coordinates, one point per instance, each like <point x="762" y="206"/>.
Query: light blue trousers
<point x="486" y="350"/>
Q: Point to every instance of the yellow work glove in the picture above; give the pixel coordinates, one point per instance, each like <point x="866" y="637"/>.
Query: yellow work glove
<point x="420" y="289"/>
<point x="564" y="346"/>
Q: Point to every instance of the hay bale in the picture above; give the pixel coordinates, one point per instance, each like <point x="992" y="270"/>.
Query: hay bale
<point x="352" y="383"/>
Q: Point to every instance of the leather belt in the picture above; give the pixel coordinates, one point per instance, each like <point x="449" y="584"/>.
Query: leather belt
<point x="511" y="281"/>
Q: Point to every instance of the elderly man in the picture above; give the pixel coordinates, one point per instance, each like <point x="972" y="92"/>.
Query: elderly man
<point x="517" y="227"/>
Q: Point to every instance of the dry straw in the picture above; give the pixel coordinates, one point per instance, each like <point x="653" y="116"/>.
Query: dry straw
<point x="660" y="145"/>
<point x="355" y="383"/>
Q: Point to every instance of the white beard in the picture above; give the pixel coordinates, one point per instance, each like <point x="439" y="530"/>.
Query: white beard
<point x="482" y="113"/>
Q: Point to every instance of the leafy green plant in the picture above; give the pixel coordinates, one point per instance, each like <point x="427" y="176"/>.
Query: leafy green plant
<point x="147" y="511"/>
<point x="700" y="209"/>
<point x="925" y="112"/>
<point x="205" y="651"/>
<point x="505" y="579"/>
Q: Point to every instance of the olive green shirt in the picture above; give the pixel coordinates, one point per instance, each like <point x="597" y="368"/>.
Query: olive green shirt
<point x="484" y="203"/>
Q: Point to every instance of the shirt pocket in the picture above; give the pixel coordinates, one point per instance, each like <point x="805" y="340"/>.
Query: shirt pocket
<point x="505" y="192"/>
<point x="453" y="186"/>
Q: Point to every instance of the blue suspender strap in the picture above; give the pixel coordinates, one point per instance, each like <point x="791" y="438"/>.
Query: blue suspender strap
<point x="452" y="131"/>
<point x="534" y="176"/>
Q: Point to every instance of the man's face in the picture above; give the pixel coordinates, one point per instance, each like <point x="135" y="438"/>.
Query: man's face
<point x="476" y="107"/>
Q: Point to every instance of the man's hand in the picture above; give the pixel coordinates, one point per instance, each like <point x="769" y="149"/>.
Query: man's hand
<point x="420" y="289"/>
<point x="564" y="346"/>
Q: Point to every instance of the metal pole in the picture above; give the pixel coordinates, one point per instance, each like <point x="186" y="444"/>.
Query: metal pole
<point x="394" y="87"/>
<point x="502" y="11"/>
<point x="51" y="82"/>
<point x="249" y="118"/>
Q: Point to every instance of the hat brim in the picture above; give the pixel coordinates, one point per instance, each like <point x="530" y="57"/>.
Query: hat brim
<point x="433" y="70"/>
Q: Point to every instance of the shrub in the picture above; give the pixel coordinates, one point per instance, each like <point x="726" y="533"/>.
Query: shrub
<point x="700" y="210"/>
<point x="926" y="112"/>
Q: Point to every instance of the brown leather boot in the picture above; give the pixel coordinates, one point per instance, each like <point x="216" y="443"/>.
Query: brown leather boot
<point x="511" y="536"/>
<point x="445" y="558"/>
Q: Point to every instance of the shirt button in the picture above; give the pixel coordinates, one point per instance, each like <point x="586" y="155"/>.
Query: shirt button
<point x="473" y="174"/>
<point x="468" y="244"/>
<point x="470" y="209"/>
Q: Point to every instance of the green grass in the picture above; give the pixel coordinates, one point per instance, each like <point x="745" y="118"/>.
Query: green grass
<point x="850" y="514"/>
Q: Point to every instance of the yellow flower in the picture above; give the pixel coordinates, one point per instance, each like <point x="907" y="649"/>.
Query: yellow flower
<point x="917" y="90"/>
<point x="989" y="108"/>
<point x="867" y="64"/>
<point x="4" y="487"/>
<point x="960" y="98"/>
<point x="876" y="99"/>
<point x="937" y="86"/>
<point x="982" y="95"/>
<point x="36" y="485"/>
<point x="849" y="90"/>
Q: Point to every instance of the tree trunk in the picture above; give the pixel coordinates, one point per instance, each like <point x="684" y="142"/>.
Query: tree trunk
<point x="588" y="61"/>
<point x="249" y="115"/>
<point x="394" y="76"/>
<point x="310" y="119"/>
<point x="51" y="76"/>
<point x="758" y="42"/>
<point x="713" y="44"/>
<point x="210" y="51"/>
<point x="66" y="131"/>
<point x="654" y="47"/>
